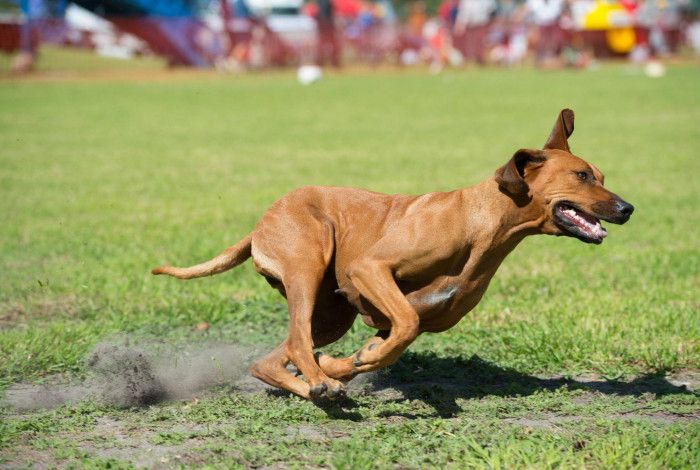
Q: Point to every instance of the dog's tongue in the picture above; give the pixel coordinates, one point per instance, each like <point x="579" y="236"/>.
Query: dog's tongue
<point x="585" y="222"/>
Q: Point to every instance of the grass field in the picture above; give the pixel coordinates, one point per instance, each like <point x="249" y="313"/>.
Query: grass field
<point x="578" y="355"/>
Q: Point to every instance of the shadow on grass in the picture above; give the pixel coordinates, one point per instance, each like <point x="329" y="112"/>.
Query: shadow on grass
<point x="441" y="381"/>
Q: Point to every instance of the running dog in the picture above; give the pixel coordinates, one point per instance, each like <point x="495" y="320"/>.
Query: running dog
<point x="406" y="264"/>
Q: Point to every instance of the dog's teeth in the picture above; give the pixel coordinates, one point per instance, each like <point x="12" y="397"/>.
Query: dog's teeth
<point x="592" y="228"/>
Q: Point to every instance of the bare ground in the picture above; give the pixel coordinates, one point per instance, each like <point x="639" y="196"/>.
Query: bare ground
<point x="126" y="441"/>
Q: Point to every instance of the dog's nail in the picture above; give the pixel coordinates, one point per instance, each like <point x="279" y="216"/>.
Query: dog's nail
<point x="337" y="392"/>
<point x="357" y="362"/>
<point x="317" y="390"/>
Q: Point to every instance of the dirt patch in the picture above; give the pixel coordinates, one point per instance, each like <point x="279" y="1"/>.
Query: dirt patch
<point x="181" y="443"/>
<point x="551" y="421"/>
<point x="26" y="457"/>
<point x="90" y="76"/>
<point x="546" y="422"/>
<point x="447" y="395"/>
<point x="688" y="378"/>
<point x="112" y="439"/>
<point x="658" y="417"/>
<point x="48" y="395"/>
<point x="126" y="376"/>
<point x="305" y="431"/>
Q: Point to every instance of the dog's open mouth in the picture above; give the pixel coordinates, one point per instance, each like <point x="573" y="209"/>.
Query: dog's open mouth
<point x="577" y="223"/>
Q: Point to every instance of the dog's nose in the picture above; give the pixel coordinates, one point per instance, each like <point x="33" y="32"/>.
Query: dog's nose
<point x="624" y="208"/>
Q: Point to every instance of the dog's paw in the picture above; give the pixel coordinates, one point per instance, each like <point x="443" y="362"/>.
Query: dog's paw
<point x="337" y="392"/>
<point x="364" y="356"/>
<point x="331" y="389"/>
<point x="317" y="390"/>
<point x="339" y="369"/>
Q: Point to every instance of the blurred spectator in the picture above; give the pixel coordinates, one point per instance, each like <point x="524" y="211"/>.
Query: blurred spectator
<point x="447" y="11"/>
<point x="547" y="35"/>
<point x="507" y="38"/>
<point x="574" y="50"/>
<point x="693" y="34"/>
<point x="439" y="49"/>
<point x="471" y="27"/>
<point x="559" y="32"/>
<point x="416" y="18"/>
<point x="328" y="44"/>
<point x="630" y="6"/>
<point x="44" y="21"/>
<point x="662" y="18"/>
<point x="412" y="39"/>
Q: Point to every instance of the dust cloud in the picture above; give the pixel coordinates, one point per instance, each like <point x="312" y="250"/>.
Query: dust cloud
<point x="128" y="375"/>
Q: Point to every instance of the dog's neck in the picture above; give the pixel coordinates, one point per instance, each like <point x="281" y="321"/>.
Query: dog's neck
<point x="508" y="219"/>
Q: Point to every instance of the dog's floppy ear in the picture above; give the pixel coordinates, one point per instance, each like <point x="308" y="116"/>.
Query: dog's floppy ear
<point x="511" y="176"/>
<point x="563" y="128"/>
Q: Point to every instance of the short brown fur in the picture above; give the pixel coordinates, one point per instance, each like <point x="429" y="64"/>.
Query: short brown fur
<point x="407" y="264"/>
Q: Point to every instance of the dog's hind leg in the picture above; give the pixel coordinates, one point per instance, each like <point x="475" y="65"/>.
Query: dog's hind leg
<point x="295" y="257"/>
<point x="272" y="369"/>
<point x="301" y="297"/>
<point x="329" y="324"/>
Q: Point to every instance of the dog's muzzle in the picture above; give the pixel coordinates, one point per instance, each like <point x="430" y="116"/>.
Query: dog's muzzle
<point x="616" y="211"/>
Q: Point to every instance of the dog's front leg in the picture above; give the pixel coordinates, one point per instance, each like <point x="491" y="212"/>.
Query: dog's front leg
<point x="344" y="369"/>
<point x="375" y="281"/>
<point x="407" y="252"/>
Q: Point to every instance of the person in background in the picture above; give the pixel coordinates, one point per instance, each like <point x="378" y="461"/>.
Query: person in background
<point x="471" y="27"/>
<point x="691" y="12"/>
<point x="413" y="28"/>
<point x="447" y="11"/>
<point x="545" y="14"/>
<point x="575" y="53"/>
<point x="328" y="43"/>
<point x="44" y="20"/>
<point x="507" y="38"/>
<point x="663" y="20"/>
<point x="439" y="50"/>
<point x="416" y="17"/>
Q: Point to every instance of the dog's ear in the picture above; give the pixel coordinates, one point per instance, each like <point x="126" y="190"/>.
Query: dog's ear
<point x="563" y="128"/>
<point x="511" y="176"/>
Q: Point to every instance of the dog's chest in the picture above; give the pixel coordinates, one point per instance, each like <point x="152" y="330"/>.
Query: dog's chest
<point x="441" y="306"/>
<point x="439" y="298"/>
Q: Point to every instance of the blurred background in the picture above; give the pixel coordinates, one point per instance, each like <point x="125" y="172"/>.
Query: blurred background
<point x="239" y="35"/>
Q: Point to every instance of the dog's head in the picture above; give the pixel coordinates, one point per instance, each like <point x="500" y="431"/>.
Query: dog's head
<point x="566" y="191"/>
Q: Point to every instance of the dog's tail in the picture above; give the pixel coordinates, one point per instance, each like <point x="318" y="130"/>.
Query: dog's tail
<point x="229" y="258"/>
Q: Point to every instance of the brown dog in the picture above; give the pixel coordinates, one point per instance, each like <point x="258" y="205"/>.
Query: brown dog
<point x="408" y="264"/>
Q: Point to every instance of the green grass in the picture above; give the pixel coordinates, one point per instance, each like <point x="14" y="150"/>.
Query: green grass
<point x="101" y="181"/>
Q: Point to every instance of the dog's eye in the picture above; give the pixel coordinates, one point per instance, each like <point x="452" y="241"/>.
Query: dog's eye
<point x="582" y="175"/>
